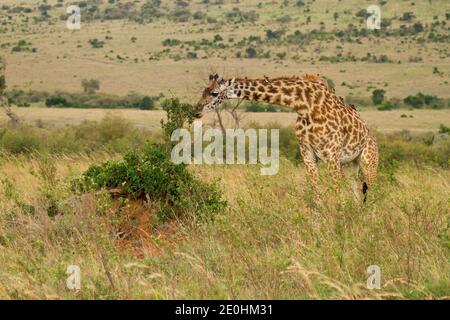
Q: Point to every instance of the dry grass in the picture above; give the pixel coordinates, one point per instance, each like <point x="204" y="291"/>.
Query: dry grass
<point x="64" y="57"/>
<point x="271" y="243"/>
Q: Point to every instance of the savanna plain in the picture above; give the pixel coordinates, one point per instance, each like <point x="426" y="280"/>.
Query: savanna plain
<point x="86" y="178"/>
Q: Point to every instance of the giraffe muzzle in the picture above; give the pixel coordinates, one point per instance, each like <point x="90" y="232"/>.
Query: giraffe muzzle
<point x="198" y="114"/>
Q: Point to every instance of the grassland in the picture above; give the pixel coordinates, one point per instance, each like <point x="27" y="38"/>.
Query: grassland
<point x="273" y="241"/>
<point x="64" y="57"/>
<point x="416" y="121"/>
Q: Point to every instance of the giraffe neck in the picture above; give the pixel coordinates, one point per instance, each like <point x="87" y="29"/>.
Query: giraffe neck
<point x="292" y="93"/>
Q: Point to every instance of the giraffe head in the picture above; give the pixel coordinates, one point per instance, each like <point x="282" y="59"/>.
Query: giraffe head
<point x="214" y="94"/>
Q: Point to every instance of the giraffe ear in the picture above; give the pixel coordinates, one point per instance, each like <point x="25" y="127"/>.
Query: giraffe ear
<point x="213" y="76"/>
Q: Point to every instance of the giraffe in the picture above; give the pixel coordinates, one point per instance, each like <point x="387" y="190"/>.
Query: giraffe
<point x="327" y="128"/>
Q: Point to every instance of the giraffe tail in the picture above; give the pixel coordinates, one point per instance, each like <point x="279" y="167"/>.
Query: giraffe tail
<point x="369" y="165"/>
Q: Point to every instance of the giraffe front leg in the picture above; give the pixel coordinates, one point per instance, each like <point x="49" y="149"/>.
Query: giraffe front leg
<point x="310" y="161"/>
<point x="335" y="168"/>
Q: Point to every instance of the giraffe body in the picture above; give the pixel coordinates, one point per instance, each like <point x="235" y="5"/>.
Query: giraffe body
<point x="327" y="128"/>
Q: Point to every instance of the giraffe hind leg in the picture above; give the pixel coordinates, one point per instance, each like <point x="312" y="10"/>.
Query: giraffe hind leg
<point x="359" y="185"/>
<point x="364" y="190"/>
<point x="369" y="165"/>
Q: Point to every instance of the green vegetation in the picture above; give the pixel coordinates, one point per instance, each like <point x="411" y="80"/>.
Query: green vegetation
<point x="260" y="107"/>
<point x="115" y="134"/>
<point x="95" y="43"/>
<point x="91" y="99"/>
<point x="403" y="147"/>
<point x="378" y="96"/>
<point x="395" y="148"/>
<point x="423" y="100"/>
<point x="112" y="134"/>
<point x="178" y="114"/>
<point x="417" y="101"/>
<point x="444" y="129"/>
<point x="216" y="228"/>
<point x="23" y="46"/>
<point x="74" y="100"/>
<point x="88" y="99"/>
<point x="151" y="175"/>
<point x="271" y="231"/>
<point x="388" y="105"/>
<point x="286" y="35"/>
<point x="105" y="196"/>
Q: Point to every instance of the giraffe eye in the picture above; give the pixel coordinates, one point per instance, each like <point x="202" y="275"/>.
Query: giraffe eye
<point x="214" y="94"/>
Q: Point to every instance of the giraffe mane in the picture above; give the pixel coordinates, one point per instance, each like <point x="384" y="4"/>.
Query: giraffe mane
<point x="311" y="77"/>
<point x="305" y="77"/>
<point x="317" y="78"/>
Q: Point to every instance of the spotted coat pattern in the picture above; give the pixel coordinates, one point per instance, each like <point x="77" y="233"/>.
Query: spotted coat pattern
<point x="327" y="128"/>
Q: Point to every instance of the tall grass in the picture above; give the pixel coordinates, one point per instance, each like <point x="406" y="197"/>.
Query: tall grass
<point x="112" y="133"/>
<point x="271" y="242"/>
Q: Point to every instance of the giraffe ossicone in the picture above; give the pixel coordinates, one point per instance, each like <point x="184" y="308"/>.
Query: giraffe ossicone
<point x="327" y="128"/>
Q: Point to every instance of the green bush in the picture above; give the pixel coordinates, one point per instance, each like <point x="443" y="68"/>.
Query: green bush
<point x="57" y="101"/>
<point x="150" y="174"/>
<point x="378" y="96"/>
<point x="255" y="107"/>
<point x="21" y="97"/>
<point x="147" y="103"/>
<point x="178" y="114"/>
<point x="259" y="107"/>
<point x="444" y="129"/>
<point x="420" y="100"/>
<point x="388" y="105"/>
<point x="413" y="101"/>
<point x="251" y="52"/>
<point x="88" y="100"/>
<point x="95" y="43"/>
<point x="171" y="42"/>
